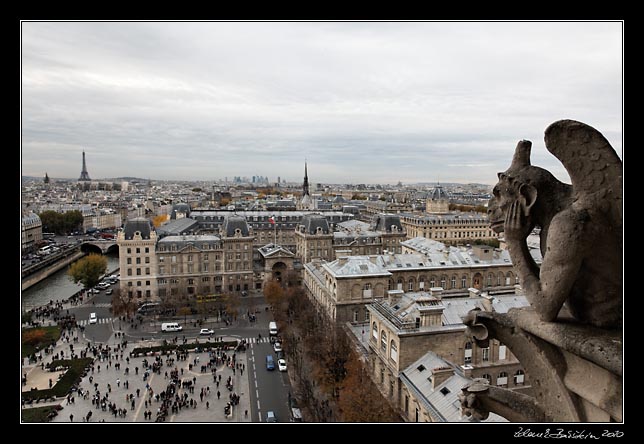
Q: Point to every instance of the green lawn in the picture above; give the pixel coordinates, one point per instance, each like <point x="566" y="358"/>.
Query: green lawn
<point x="61" y="388"/>
<point x="51" y="335"/>
<point x="37" y="414"/>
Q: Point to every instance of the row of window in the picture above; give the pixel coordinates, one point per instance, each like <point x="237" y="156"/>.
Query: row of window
<point x="498" y="279"/>
<point x="502" y="378"/>
<point x="138" y="250"/>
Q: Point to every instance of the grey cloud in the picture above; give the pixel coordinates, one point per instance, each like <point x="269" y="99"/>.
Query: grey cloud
<point x="368" y="102"/>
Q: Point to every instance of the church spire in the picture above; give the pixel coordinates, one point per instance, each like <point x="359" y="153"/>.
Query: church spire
<point x="305" y="185"/>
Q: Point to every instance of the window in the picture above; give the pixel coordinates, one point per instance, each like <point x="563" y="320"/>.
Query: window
<point x="468" y="352"/>
<point x="519" y="377"/>
<point x="191" y="281"/>
<point x="129" y="284"/>
<point x="138" y="251"/>
<point x="453" y="282"/>
<point x="147" y="283"/>
<point x="129" y="261"/>
<point x="161" y="259"/>
<point x="486" y="354"/>
<point x="502" y="379"/>
<point x="138" y="283"/>
<point x="508" y="278"/>
<point x="374" y="331"/>
<point x="147" y="271"/>
<point x="173" y="259"/>
<point x="383" y="341"/>
<point x="502" y="352"/>
<point x="138" y="260"/>
<point x="147" y="259"/>
<point x="129" y="251"/>
<point x="443" y="281"/>
<point x="488" y="377"/>
<point x="129" y="272"/>
<point x="464" y="282"/>
<point x="393" y="351"/>
<point x="489" y="280"/>
<point x="355" y="315"/>
<point x="400" y="284"/>
<point x="421" y="283"/>
<point x="410" y="285"/>
<point x="147" y="249"/>
<point x="432" y="282"/>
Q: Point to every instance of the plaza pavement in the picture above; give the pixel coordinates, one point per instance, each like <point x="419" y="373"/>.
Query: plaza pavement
<point x="215" y="412"/>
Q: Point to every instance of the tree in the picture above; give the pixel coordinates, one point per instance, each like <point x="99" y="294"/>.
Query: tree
<point x="122" y="303"/>
<point x="88" y="270"/>
<point x="184" y="311"/>
<point x="158" y="220"/>
<point x="360" y="400"/>
<point x="273" y="292"/>
<point x="34" y="336"/>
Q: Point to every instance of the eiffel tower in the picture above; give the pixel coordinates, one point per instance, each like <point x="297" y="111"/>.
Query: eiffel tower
<point x="84" y="175"/>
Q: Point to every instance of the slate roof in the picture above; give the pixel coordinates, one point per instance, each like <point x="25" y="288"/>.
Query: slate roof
<point x="137" y="224"/>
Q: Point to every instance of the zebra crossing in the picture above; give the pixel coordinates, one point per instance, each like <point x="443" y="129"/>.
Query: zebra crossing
<point x="85" y="322"/>
<point x="103" y="305"/>
<point x="254" y="340"/>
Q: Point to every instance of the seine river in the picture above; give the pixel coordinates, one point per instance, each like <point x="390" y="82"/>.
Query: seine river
<point x="57" y="286"/>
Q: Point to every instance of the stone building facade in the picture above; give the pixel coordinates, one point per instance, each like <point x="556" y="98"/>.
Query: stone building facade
<point x="449" y="228"/>
<point x="30" y="231"/>
<point x="405" y="326"/>
<point x="344" y="286"/>
<point x="138" y="260"/>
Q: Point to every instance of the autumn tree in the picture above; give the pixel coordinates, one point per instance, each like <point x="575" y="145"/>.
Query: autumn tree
<point x="122" y="302"/>
<point x="184" y="311"/>
<point x="88" y="270"/>
<point x="360" y="400"/>
<point x="160" y="219"/>
<point x="33" y="336"/>
<point x="274" y="293"/>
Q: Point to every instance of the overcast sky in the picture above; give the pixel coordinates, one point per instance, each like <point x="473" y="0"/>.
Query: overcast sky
<point x="362" y="102"/>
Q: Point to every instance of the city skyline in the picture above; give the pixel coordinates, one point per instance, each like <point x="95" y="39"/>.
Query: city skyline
<point x="362" y="102"/>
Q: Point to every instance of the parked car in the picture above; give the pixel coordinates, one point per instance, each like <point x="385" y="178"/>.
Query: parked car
<point x="281" y="365"/>
<point x="109" y="291"/>
<point x="206" y="331"/>
<point x="277" y="346"/>
<point x="270" y="416"/>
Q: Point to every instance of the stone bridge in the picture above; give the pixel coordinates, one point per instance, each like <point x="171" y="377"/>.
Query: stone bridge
<point x="102" y="246"/>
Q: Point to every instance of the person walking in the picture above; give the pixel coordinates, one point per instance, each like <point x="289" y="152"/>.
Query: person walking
<point x="71" y="417"/>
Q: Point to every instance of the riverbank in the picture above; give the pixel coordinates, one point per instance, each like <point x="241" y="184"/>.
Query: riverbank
<point x="40" y="275"/>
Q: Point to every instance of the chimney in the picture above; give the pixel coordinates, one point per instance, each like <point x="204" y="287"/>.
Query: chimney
<point x="342" y="260"/>
<point x="436" y="292"/>
<point x="486" y="301"/>
<point x="440" y="375"/>
<point x="474" y="293"/>
<point x="394" y="295"/>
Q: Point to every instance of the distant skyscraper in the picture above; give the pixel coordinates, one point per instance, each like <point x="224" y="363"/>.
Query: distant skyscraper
<point x="84" y="174"/>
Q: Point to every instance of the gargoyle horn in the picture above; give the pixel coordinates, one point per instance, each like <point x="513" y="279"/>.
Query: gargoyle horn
<point x="521" y="155"/>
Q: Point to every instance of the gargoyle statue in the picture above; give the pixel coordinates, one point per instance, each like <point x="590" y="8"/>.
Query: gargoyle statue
<point x="581" y="225"/>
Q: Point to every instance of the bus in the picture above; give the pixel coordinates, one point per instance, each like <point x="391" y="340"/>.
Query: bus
<point x="48" y="235"/>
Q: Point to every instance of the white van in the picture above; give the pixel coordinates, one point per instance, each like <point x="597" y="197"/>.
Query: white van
<point x="272" y="328"/>
<point x="92" y="318"/>
<point x="171" y="326"/>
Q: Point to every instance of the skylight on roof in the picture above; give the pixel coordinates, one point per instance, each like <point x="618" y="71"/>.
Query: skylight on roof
<point x="420" y="368"/>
